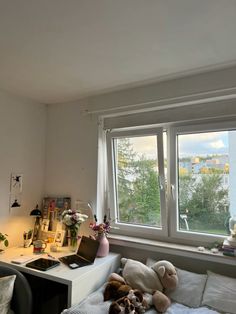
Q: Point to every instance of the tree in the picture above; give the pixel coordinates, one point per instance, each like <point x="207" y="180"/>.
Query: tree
<point x="138" y="189"/>
<point x="147" y="192"/>
<point x="206" y="201"/>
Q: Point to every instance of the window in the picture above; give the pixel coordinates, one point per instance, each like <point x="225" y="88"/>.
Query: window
<point x="187" y="191"/>
<point x="138" y="180"/>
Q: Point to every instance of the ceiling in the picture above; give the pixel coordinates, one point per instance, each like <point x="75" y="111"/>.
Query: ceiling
<point x="54" y="51"/>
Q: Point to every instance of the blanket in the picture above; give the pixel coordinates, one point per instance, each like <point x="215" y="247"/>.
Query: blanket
<point x="94" y="304"/>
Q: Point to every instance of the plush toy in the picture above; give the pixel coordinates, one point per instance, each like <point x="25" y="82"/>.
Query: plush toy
<point x="115" y="290"/>
<point x="133" y="303"/>
<point x="153" y="280"/>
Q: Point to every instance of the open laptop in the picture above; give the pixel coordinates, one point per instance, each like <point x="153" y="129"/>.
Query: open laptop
<point x="85" y="255"/>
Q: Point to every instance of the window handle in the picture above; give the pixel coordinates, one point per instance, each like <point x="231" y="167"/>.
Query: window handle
<point x="161" y="186"/>
<point x="172" y="187"/>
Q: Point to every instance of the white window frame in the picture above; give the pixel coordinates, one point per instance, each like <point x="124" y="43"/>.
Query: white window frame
<point x="129" y="229"/>
<point x="169" y="211"/>
<point x="173" y="179"/>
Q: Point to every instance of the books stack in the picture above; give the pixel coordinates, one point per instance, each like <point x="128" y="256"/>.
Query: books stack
<point x="229" y="248"/>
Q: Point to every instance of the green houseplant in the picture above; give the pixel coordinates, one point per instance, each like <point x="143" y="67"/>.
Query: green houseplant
<point x="3" y="239"/>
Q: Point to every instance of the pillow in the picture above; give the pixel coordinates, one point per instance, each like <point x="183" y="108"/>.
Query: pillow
<point x="190" y="287"/>
<point x="220" y="293"/>
<point x="6" y="293"/>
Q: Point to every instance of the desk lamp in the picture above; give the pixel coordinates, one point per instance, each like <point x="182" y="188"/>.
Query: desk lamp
<point x="36" y="213"/>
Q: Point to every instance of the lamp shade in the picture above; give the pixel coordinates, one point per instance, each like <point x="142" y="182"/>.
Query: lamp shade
<point x="36" y="212"/>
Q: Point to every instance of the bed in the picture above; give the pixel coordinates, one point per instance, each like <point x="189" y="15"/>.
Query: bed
<point x="208" y="293"/>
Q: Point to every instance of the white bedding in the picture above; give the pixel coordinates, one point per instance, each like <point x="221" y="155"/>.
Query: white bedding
<point x="95" y="304"/>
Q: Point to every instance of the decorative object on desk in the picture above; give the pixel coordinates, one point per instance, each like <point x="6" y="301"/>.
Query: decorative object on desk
<point x="27" y="236"/>
<point x="36" y="213"/>
<point x="100" y="233"/>
<point x="59" y="237"/>
<point x="45" y="224"/>
<point x="39" y="246"/>
<point x="72" y="219"/>
<point x="3" y="241"/>
<point x="56" y="205"/>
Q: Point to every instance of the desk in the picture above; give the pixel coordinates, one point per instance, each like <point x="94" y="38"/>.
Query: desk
<point x="75" y="284"/>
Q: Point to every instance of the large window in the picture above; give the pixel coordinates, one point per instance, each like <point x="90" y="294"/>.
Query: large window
<point x="186" y="191"/>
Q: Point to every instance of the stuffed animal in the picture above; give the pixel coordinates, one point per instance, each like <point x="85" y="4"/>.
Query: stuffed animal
<point x="116" y="288"/>
<point x="162" y="275"/>
<point x="133" y="303"/>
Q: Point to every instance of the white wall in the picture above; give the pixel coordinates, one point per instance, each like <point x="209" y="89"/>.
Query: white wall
<point x="71" y="157"/>
<point x="71" y="162"/>
<point x="22" y="150"/>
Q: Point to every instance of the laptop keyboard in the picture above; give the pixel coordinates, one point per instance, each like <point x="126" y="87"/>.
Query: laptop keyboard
<point x="74" y="259"/>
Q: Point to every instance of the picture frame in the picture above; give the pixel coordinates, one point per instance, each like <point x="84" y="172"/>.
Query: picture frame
<point x="54" y="206"/>
<point x="59" y="237"/>
<point x="45" y="224"/>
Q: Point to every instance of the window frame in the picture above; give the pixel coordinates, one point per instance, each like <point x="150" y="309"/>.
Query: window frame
<point x="173" y="178"/>
<point x="129" y="229"/>
<point x="169" y="212"/>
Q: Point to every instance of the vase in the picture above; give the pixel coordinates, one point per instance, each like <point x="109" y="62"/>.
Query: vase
<point x="73" y="239"/>
<point x="103" y="248"/>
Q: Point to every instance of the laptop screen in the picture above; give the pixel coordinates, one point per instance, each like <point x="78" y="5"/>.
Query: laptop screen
<point x="88" y="248"/>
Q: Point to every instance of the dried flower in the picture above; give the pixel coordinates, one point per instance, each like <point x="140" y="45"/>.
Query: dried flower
<point x="101" y="228"/>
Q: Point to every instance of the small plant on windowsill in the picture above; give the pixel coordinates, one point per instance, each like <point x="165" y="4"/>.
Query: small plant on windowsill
<point x="3" y="240"/>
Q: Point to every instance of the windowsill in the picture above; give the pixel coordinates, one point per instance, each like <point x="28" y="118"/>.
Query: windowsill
<point x="171" y="248"/>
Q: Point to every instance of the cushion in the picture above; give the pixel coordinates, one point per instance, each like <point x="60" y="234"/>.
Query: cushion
<point x="220" y="293"/>
<point x="6" y="293"/>
<point x="190" y="287"/>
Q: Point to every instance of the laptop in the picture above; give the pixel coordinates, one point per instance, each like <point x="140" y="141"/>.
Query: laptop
<point x="43" y="264"/>
<point x="85" y="255"/>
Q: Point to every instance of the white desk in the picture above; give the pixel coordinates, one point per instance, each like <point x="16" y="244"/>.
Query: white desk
<point x="79" y="282"/>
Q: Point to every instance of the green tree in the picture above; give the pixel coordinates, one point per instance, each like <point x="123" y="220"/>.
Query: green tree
<point x="138" y="189"/>
<point x="125" y="172"/>
<point x="147" y="192"/>
<point x="205" y="201"/>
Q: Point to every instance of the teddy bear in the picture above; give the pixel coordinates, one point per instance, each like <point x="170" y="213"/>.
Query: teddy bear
<point x="115" y="290"/>
<point x="151" y="280"/>
<point x="133" y="303"/>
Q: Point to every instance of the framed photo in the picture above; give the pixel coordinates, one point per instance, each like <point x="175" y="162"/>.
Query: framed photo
<point x="54" y="206"/>
<point x="59" y="237"/>
<point x="45" y="224"/>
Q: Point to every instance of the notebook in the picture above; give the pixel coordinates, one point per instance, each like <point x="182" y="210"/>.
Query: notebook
<point x="85" y="255"/>
<point x="43" y="264"/>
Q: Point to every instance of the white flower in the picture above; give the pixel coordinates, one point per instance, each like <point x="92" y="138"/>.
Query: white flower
<point x="71" y="217"/>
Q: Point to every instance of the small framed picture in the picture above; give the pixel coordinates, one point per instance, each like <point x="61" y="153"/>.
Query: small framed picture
<point x="59" y="237"/>
<point x="45" y="224"/>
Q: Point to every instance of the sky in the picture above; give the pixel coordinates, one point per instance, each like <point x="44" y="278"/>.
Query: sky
<point x="199" y="144"/>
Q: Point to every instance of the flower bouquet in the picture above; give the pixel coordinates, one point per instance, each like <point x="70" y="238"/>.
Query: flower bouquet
<point x="72" y="219"/>
<point x="102" y="228"/>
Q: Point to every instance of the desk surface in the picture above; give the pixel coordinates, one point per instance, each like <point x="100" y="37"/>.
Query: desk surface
<point x="61" y="273"/>
<point x="80" y="281"/>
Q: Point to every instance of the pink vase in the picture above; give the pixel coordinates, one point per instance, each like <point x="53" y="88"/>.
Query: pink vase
<point x="103" y="249"/>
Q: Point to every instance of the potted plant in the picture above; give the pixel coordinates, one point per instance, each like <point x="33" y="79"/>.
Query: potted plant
<point x="3" y="240"/>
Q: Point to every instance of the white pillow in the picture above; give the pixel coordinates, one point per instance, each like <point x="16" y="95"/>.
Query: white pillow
<point x="6" y="292"/>
<point x="220" y="293"/>
<point x="190" y="287"/>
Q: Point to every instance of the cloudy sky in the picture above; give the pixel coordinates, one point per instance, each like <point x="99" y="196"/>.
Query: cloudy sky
<point x="189" y="144"/>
